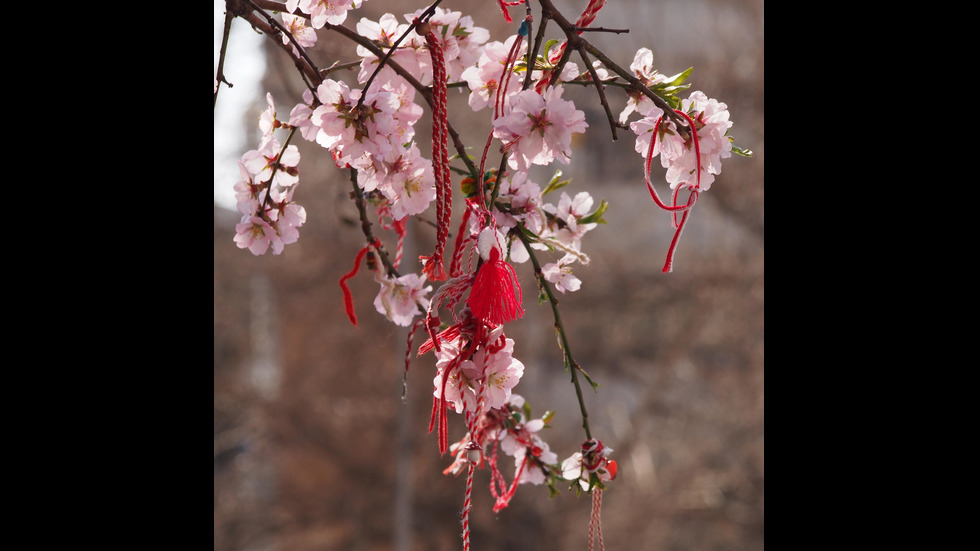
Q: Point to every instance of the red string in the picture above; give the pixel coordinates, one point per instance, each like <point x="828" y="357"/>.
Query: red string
<point x="348" y="299"/>
<point x="674" y="208"/>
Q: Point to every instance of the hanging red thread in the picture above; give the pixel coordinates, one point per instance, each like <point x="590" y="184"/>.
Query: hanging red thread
<point x="674" y="208"/>
<point x="348" y="299"/>
<point x="432" y="266"/>
<point x="455" y="266"/>
<point x="496" y="295"/>
<point x="497" y="479"/>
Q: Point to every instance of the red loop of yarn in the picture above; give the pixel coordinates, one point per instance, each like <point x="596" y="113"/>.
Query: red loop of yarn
<point x="348" y="299"/>
<point x="493" y="298"/>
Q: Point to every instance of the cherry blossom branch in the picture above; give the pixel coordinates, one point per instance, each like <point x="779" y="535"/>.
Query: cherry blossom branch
<point x="575" y="41"/>
<point x="600" y="88"/>
<point x="220" y="77"/>
<point x="424" y="90"/>
<point x="422" y="18"/>
<point x="366" y="224"/>
<point x="275" y="168"/>
<point x="273" y="28"/>
<point x="570" y="363"/>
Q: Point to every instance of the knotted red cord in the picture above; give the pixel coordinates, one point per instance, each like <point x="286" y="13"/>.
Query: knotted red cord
<point x="348" y="299"/>
<point x="432" y="266"/>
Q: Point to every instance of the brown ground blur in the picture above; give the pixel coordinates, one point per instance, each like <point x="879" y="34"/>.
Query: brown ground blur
<point x="313" y="447"/>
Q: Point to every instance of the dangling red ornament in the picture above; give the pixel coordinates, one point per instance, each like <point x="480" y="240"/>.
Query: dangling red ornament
<point x="496" y="295"/>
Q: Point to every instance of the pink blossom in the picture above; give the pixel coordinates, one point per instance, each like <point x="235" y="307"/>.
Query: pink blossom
<point x="486" y="76"/>
<point x="249" y="194"/>
<point x="327" y="11"/>
<point x="643" y="129"/>
<point x="400" y="299"/>
<point x="462" y="41"/>
<point x="642" y="68"/>
<point x="300" y="116"/>
<point x="410" y="55"/>
<point x="560" y="274"/>
<point x="502" y="372"/>
<point x="354" y="136"/>
<point x="255" y="234"/>
<point x="534" y="471"/>
<point x="538" y="129"/>
<point x="267" y="119"/>
<point x="262" y="162"/>
<point x="712" y="121"/>
<point x="569" y="211"/>
<point x="404" y="177"/>
<point x="305" y="36"/>
<point x="458" y="389"/>
<point x="677" y="154"/>
<point x="289" y="217"/>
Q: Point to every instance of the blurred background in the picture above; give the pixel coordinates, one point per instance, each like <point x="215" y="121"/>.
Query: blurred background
<point x="314" y="449"/>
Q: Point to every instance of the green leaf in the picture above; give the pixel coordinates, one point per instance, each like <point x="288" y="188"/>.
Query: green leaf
<point x="555" y="183"/>
<point x="548" y="416"/>
<point x="738" y="150"/>
<point x="679" y="77"/>
<point x="596" y="217"/>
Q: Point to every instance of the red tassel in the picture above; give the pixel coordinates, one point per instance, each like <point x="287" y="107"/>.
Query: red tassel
<point x="493" y="298"/>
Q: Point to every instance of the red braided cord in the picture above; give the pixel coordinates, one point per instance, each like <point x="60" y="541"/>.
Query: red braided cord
<point x="588" y="16"/>
<point x="466" y="508"/>
<point x="440" y="158"/>
<point x="595" y="523"/>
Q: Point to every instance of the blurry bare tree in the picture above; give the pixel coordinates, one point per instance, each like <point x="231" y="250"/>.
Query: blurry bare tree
<point x="314" y="448"/>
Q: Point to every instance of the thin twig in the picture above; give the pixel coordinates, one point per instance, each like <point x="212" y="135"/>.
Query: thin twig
<point x="600" y="30"/>
<point x="600" y="89"/>
<point x="366" y="224"/>
<point x="271" y="27"/>
<point x="220" y="77"/>
<point x="570" y="364"/>
<point x="532" y="56"/>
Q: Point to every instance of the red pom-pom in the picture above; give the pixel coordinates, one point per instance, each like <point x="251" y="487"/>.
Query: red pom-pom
<point x="496" y="295"/>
